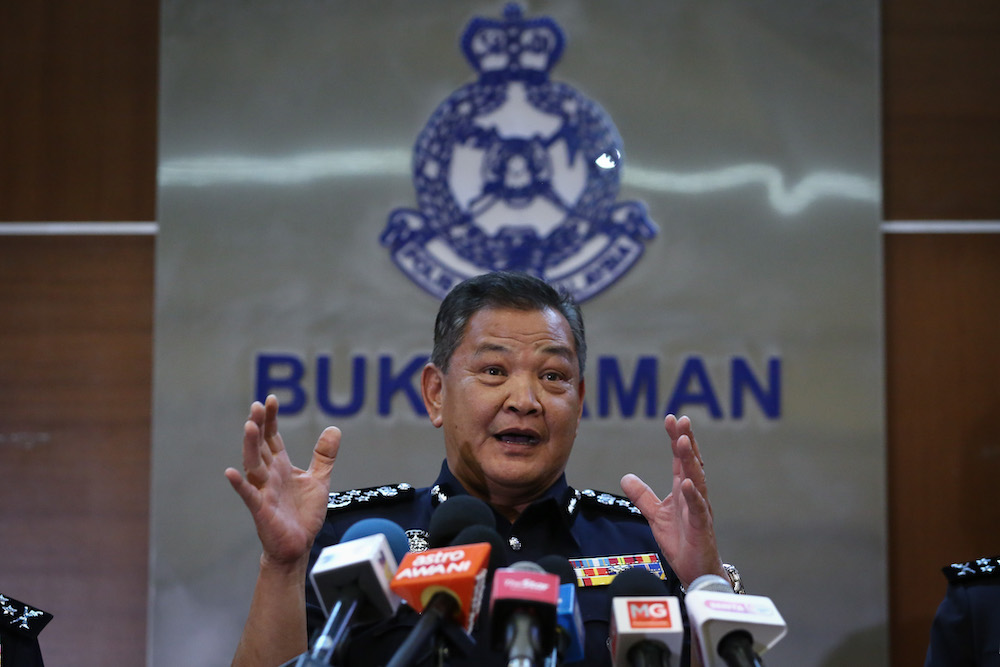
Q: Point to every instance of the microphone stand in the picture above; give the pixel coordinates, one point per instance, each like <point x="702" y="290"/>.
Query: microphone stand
<point x="325" y="644"/>
<point x="735" y="650"/>
<point x="433" y="623"/>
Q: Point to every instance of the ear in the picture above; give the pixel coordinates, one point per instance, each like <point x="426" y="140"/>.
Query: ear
<point x="583" y="392"/>
<point x="432" y="390"/>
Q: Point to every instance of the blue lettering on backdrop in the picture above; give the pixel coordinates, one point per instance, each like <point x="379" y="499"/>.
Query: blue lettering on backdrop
<point x="389" y="385"/>
<point x="693" y="387"/>
<point x="326" y="404"/>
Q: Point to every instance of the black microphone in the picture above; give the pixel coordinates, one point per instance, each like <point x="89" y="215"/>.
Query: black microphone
<point x="523" y="609"/>
<point x="735" y="628"/>
<point x="455" y="515"/>
<point x="480" y="533"/>
<point x="646" y="625"/>
<point x="569" y="620"/>
<point x="351" y="580"/>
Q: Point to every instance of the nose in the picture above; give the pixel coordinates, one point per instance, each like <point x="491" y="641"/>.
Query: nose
<point x="522" y="395"/>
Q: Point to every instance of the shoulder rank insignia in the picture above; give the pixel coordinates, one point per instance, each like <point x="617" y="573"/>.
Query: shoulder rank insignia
<point x="15" y="616"/>
<point x="610" y="501"/>
<point x="375" y="496"/>
<point x="600" y="570"/>
<point x="980" y="568"/>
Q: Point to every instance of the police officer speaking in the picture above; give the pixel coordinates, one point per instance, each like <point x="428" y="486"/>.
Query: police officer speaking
<point x="505" y="387"/>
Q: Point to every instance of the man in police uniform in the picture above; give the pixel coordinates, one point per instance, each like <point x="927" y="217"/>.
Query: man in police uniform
<point x="505" y="385"/>
<point x="966" y="629"/>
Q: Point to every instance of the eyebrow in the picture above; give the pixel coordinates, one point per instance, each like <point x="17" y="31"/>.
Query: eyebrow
<point x="557" y="350"/>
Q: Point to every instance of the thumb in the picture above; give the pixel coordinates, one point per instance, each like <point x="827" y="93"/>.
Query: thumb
<point x="325" y="453"/>
<point x="641" y="495"/>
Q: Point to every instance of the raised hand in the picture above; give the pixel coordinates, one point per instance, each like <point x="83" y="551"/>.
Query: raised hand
<point x="681" y="522"/>
<point x="287" y="504"/>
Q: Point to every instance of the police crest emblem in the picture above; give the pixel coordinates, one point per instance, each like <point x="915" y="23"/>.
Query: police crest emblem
<point x="517" y="172"/>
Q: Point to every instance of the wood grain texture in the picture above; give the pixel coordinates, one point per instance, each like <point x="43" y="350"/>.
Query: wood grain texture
<point x="943" y="390"/>
<point x="75" y="360"/>
<point x="78" y="91"/>
<point x="941" y="109"/>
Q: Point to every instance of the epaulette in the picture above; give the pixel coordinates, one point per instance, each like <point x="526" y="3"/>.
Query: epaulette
<point x="604" y="501"/>
<point x="20" y="618"/>
<point x="375" y="496"/>
<point x="973" y="570"/>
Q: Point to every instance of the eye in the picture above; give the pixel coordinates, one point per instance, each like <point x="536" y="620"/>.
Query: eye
<point x="493" y="370"/>
<point x="552" y="376"/>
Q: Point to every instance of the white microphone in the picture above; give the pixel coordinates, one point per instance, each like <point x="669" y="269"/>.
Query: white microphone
<point x="731" y="630"/>
<point x="647" y="629"/>
<point x="352" y="581"/>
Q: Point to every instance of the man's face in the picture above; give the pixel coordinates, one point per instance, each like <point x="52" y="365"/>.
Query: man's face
<point x="510" y="403"/>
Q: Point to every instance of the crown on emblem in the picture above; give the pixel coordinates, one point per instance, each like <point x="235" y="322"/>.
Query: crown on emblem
<point x="515" y="46"/>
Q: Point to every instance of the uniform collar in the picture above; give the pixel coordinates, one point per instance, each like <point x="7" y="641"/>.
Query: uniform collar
<point x="447" y="485"/>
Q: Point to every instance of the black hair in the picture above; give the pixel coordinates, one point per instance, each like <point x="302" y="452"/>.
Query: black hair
<point x="501" y="289"/>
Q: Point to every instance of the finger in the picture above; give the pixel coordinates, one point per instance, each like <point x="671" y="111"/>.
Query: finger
<point x="247" y="491"/>
<point x="685" y="425"/>
<point x="254" y="464"/>
<point x="691" y="467"/>
<point x="258" y="417"/>
<point x="699" y="511"/>
<point x="325" y="453"/>
<point x="270" y="429"/>
<point x="670" y="424"/>
<point x="677" y="427"/>
<point x="641" y="495"/>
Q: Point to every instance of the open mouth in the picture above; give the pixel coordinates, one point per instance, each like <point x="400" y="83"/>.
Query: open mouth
<point x="517" y="438"/>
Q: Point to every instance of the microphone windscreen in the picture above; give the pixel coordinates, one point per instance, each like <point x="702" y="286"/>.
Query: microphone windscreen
<point x="556" y="564"/>
<point x="526" y="566"/>
<point x="394" y="534"/>
<point x="453" y="515"/>
<point x="479" y="533"/>
<point x="636" y="582"/>
<point x="710" y="582"/>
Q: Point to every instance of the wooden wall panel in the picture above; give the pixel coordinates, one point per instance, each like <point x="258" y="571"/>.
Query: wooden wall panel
<point x="941" y="109"/>
<point x="78" y="83"/>
<point x="75" y="371"/>
<point x="941" y="160"/>
<point x="943" y="370"/>
<point x="77" y="143"/>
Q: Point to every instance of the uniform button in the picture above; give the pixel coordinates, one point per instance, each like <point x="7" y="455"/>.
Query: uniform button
<point x="515" y="544"/>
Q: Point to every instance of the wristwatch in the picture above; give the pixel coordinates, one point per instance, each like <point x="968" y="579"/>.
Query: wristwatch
<point x="734" y="578"/>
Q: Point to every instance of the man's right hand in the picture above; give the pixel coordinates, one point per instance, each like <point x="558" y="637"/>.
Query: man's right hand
<point x="288" y="504"/>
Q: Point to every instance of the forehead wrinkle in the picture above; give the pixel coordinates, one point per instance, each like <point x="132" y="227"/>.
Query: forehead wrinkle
<point x="556" y="350"/>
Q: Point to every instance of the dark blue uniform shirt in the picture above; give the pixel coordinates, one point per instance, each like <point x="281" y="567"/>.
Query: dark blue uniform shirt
<point x="564" y="521"/>
<point x="966" y="629"/>
<point x="20" y="624"/>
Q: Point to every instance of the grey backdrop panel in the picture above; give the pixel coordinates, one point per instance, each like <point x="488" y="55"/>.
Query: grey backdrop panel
<point x="751" y="131"/>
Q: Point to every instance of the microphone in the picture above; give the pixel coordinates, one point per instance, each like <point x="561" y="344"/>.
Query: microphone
<point x="351" y="580"/>
<point x="454" y="515"/>
<point x="446" y="586"/>
<point x="480" y="533"/>
<point x="731" y="630"/>
<point x="569" y="620"/>
<point x="523" y="609"/>
<point x="647" y="629"/>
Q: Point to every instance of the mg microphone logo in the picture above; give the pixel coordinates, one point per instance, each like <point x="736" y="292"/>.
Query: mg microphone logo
<point x="652" y="613"/>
